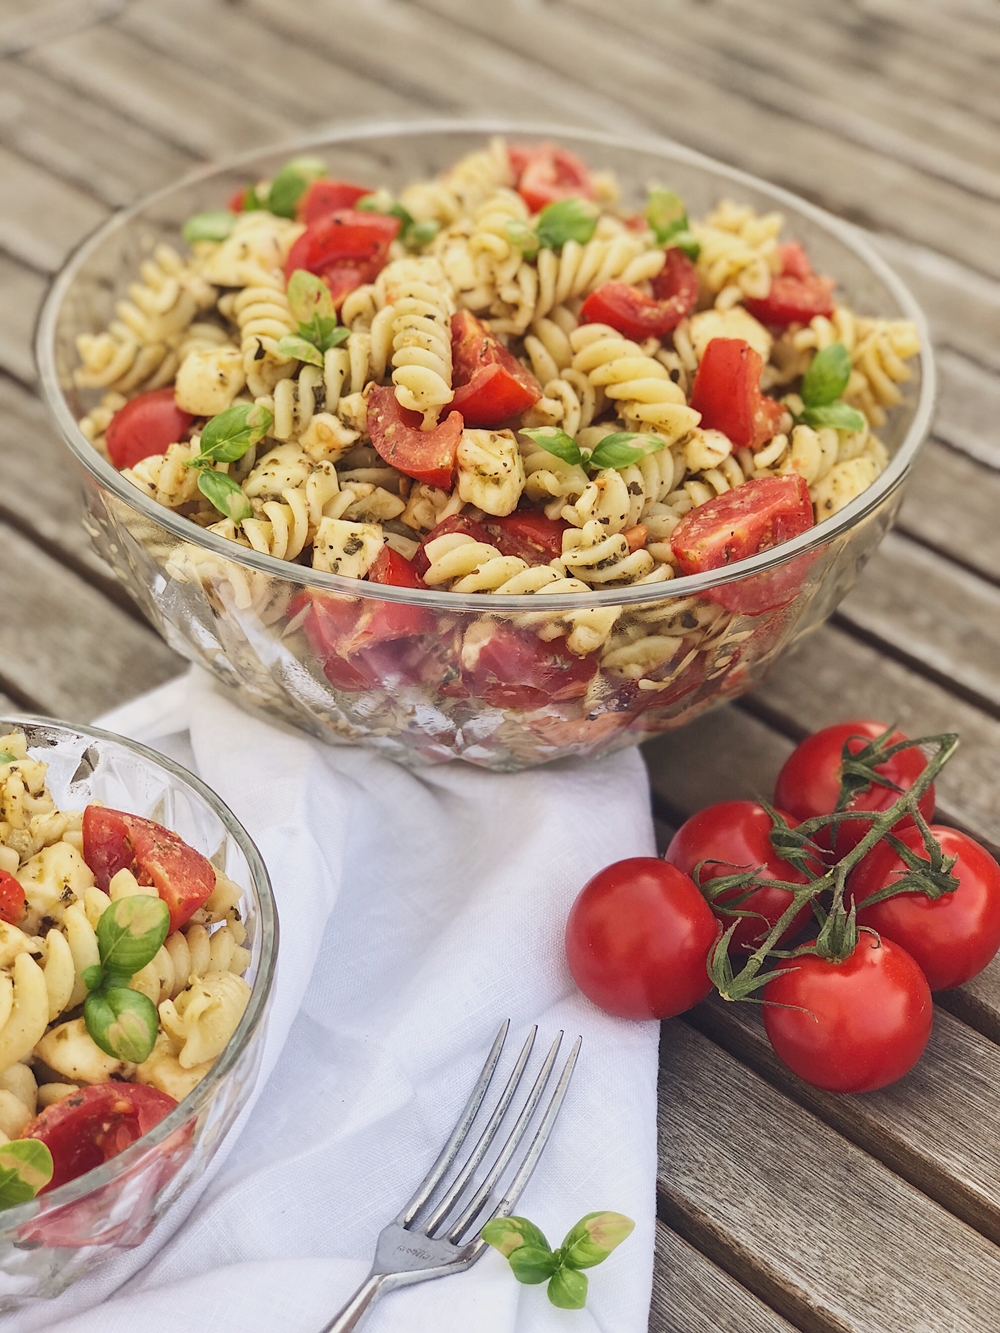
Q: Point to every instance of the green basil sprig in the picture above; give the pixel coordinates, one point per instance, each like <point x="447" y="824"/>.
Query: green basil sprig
<point x="123" y="1022"/>
<point x="225" y="439"/>
<point x="291" y="183"/>
<point x="822" y="385"/>
<point x="414" y="235"/>
<point x="213" y="226"/>
<point x="565" y="220"/>
<point x="667" y="216"/>
<point x="533" y="1261"/>
<point x="615" y="451"/>
<point x="25" y="1168"/>
<point x="311" y="303"/>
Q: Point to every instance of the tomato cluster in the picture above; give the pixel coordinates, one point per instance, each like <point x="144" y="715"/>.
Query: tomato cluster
<point x="855" y="902"/>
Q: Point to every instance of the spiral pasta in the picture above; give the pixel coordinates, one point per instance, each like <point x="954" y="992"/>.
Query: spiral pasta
<point x="414" y="327"/>
<point x="738" y="252"/>
<point x="645" y="395"/>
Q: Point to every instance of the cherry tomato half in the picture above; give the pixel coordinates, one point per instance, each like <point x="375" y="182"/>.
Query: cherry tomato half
<point x="638" y="316"/>
<point x="736" y="835"/>
<point x="157" y="856"/>
<point x="638" y="938"/>
<point x="13" y="904"/>
<point x="391" y="567"/>
<point x="853" y="1026"/>
<point x="89" y="1127"/>
<point x="490" y="383"/>
<point x="507" y="667"/>
<point x="425" y="455"/>
<point x="325" y="196"/>
<point x="146" y="425"/>
<point x="526" y="533"/>
<point x="726" y="392"/>
<point x="953" y="937"/>
<point x="344" y="248"/>
<point x="809" y="781"/>
<point x="546" y="173"/>
<point x="797" y="294"/>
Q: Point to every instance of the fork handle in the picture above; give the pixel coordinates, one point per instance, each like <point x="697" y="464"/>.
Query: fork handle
<point x="357" y="1309"/>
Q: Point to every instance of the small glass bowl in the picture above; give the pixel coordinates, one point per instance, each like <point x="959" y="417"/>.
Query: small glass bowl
<point x="405" y="671"/>
<point x="53" y="1240"/>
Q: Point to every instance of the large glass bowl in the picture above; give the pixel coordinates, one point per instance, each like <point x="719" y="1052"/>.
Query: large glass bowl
<point x="51" y="1241"/>
<point x="407" y="671"/>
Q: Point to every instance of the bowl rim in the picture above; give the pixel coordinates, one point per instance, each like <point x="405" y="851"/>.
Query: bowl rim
<point x="629" y="595"/>
<point x="191" y="1106"/>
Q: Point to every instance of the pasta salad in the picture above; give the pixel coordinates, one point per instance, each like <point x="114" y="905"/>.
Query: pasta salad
<point x="121" y="961"/>
<point x="500" y="381"/>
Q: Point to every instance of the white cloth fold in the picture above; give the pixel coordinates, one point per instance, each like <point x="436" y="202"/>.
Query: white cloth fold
<point x="417" y="910"/>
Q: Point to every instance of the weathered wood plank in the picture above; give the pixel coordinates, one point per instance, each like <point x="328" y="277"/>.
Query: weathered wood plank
<point x="195" y="114"/>
<point x="968" y="415"/>
<point x="692" y="1295"/>
<point x="83" y="142"/>
<point x="64" y="647"/>
<point x="44" y="217"/>
<point x="24" y="290"/>
<point x="814" y="1226"/>
<point x="947" y="624"/>
<point x="951" y="504"/>
<point x="939" y="1127"/>
<point x="857" y="182"/>
<point x="38" y="20"/>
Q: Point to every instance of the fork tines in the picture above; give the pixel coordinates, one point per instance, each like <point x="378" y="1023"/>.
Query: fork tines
<point x="468" y="1202"/>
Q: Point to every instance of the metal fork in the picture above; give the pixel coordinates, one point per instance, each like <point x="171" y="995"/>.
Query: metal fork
<point x="415" y="1248"/>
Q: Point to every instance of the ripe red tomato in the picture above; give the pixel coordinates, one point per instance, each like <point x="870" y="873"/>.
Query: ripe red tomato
<point x="527" y="534"/>
<point x="344" y="248"/>
<point x="12" y="901"/>
<point x="507" y="667"/>
<point x="545" y="173"/>
<point x="638" y="316"/>
<point x="809" y="781"/>
<point x="726" y="392"/>
<point x="89" y="1127"/>
<point x="157" y="856"/>
<point x="146" y="425"/>
<point x="324" y="197"/>
<point x="797" y="294"/>
<point x="638" y="939"/>
<point x="736" y="835"/>
<point x="853" y="1026"/>
<point x="425" y="455"/>
<point x="391" y="567"/>
<point x="491" y="385"/>
<point x="953" y="937"/>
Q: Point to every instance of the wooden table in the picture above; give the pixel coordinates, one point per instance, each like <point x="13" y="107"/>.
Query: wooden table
<point x="780" y="1207"/>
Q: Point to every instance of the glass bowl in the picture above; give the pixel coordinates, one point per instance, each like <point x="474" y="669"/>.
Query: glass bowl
<point x="51" y="1241"/>
<point x="427" y="676"/>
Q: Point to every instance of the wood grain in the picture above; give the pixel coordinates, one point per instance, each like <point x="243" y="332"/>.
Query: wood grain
<point x="950" y="505"/>
<point x="813" y="1225"/>
<point x="51" y="216"/>
<point x="24" y="290"/>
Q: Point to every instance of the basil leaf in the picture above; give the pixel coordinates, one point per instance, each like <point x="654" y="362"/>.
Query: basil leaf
<point x="556" y="441"/>
<point x="419" y="234"/>
<point x="566" y="220"/>
<point x="291" y="183"/>
<point x="131" y="930"/>
<point x="309" y="296"/>
<point x="289" y="344"/>
<point x="827" y="376"/>
<point x="623" y="448"/>
<point x="7" y="758"/>
<point x="214" y="226"/>
<point x="25" y="1168"/>
<point x="531" y="1264"/>
<point x="521" y="235"/>
<point x="685" y="240"/>
<point x="228" y="436"/>
<point x="381" y="201"/>
<point x="225" y="494"/>
<point x="665" y="213"/>
<point x="123" y="1022"/>
<point x="93" y="977"/>
<point x="837" y="415"/>
<point x="508" y="1234"/>
<point x="593" y="1239"/>
<point x="568" y="1289"/>
<point x="252" y="202"/>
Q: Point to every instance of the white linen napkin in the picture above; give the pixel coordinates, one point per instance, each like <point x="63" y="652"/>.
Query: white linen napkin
<point x="417" y="910"/>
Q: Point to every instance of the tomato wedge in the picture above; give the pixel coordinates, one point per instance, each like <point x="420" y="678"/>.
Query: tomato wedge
<point x="12" y="901"/>
<point x="795" y="263"/>
<point x="545" y="173"/>
<point x="325" y="196"/>
<point x="158" y="857"/>
<point x="391" y="567"/>
<point x="425" y="455"/>
<point x="148" y="424"/>
<point x="510" y="668"/>
<point x="727" y="393"/>
<point x="636" y="315"/>
<point x="344" y="248"/>
<point x="527" y="534"/>
<point x="89" y="1127"/>
<point x="797" y="294"/>
<point x="490" y="383"/>
<point x="743" y="522"/>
